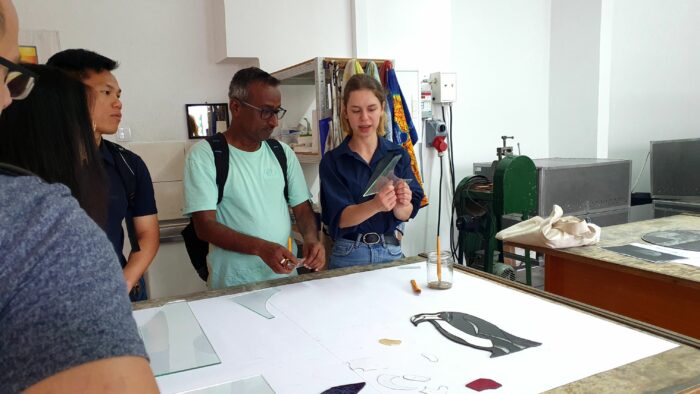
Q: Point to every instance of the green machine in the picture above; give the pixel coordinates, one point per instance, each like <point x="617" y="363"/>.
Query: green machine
<point x="481" y="204"/>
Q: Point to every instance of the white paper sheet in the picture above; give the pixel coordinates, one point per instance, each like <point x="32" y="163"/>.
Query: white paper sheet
<point x="321" y="325"/>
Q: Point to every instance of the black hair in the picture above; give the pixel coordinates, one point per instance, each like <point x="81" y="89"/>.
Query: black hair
<point x="50" y="134"/>
<point x="238" y="88"/>
<point x="79" y="62"/>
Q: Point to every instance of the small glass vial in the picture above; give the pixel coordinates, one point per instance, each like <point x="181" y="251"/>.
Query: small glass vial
<point x="440" y="270"/>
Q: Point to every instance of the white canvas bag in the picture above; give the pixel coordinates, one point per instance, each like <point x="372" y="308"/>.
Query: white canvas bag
<point x="553" y="232"/>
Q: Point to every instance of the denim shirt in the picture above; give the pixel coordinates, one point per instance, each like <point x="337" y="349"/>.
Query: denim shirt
<point x="345" y="177"/>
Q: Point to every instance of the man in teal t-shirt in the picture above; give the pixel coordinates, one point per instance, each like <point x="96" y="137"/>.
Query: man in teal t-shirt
<point x="249" y="230"/>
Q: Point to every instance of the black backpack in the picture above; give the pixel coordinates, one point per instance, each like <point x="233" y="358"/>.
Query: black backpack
<point x="198" y="249"/>
<point x="125" y="164"/>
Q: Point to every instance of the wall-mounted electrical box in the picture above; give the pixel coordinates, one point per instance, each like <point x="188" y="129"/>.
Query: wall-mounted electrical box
<point x="433" y="129"/>
<point x="444" y="87"/>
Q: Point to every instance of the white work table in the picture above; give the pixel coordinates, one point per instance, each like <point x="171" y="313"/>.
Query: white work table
<point x="324" y="322"/>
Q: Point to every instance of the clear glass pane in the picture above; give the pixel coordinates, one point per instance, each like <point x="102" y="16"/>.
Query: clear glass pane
<point x="383" y="174"/>
<point x="254" y="385"/>
<point x="175" y="342"/>
<point x="257" y="301"/>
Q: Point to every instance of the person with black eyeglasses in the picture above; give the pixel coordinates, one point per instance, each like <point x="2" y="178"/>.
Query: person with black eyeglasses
<point x="251" y="227"/>
<point x="65" y="319"/>
<point x="19" y="81"/>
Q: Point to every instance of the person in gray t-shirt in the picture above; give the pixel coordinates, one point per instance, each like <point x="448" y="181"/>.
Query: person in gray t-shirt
<point x="65" y="319"/>
<point x="63" y="301"/>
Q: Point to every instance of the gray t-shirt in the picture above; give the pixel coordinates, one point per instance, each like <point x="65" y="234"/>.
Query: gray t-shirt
<point x="63" y="301"/>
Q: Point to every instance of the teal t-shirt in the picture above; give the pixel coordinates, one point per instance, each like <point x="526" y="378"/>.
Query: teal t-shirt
<point x="253" y="204"/>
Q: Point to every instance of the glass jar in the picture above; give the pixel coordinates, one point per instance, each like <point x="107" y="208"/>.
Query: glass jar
<point x="440" y="270"/>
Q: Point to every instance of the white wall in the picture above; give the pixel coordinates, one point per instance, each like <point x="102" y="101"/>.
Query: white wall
<point x="654" y="86"/>
<point x="164" y="50"/>
<point x="500" y="49"/>
<point x="284" y="33"/>
<point x="403" y="31"/>
<point x="501" y="53"/>
<point x="170" y="51"/>
<point x="573" y="78"/>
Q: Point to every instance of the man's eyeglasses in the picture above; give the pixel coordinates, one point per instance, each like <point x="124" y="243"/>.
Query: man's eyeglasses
<point x="18" y="79"/>
<point x="266" y="113"/>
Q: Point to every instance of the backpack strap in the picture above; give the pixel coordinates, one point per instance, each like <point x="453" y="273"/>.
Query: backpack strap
<point x="278" y="150"/>
<point x="125" y="168"/>
<point x="10" y="170"/>
<point x="219" y="146"/>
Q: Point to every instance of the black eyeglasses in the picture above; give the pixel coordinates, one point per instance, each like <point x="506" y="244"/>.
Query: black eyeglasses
<point x="18" y="79"/>
<point x="266" y="113"/>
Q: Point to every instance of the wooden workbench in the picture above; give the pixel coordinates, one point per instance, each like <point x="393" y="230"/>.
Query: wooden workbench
<point x="675" y="370"/>
<point x="665" y="295"/>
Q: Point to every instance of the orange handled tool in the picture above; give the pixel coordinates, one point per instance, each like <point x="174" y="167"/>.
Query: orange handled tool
<point x="415" y="286"/>
<point x="439" y="263"/>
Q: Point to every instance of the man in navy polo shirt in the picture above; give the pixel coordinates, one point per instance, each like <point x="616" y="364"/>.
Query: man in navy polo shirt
<point x="130" y="189"/>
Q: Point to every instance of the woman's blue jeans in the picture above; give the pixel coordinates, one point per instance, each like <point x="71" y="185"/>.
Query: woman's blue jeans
<point x="348" y="253"/>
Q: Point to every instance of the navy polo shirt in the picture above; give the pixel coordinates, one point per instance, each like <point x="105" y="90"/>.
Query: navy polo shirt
<point x="144" y="201"/>
<point x="345" y="177"/>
